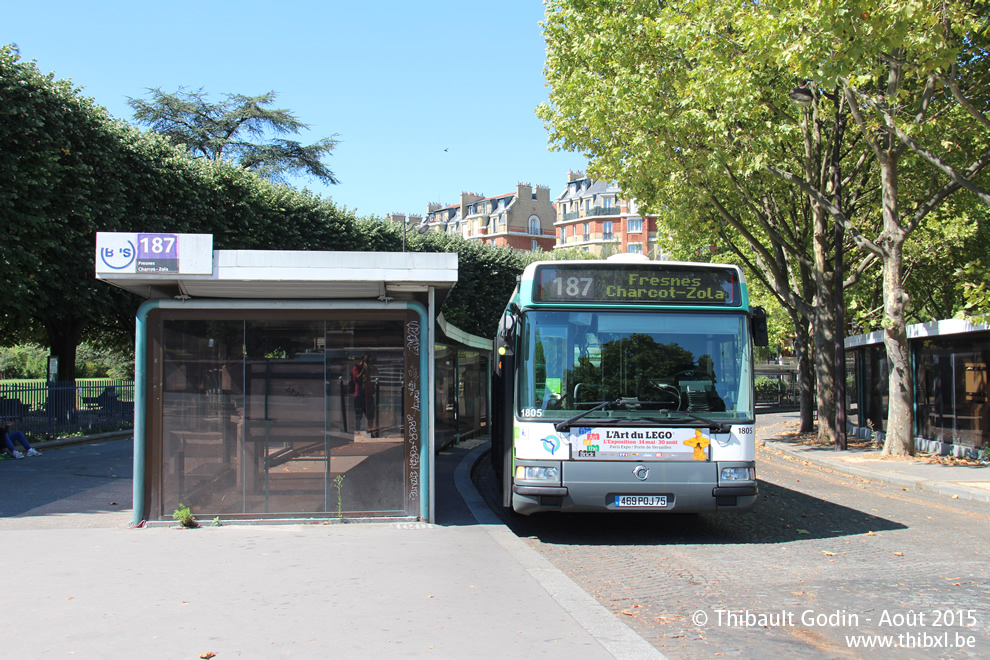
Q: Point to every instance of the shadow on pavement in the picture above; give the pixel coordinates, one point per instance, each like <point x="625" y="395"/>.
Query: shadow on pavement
<point x="781" y="515"/>
<point x="88" y="478"/>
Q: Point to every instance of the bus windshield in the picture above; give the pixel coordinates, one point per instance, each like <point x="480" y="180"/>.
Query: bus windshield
<point x="641" y="362"/>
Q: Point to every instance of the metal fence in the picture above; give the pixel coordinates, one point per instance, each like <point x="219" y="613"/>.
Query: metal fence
<point x="49" y="408"/>
<point x="782" y="395"/>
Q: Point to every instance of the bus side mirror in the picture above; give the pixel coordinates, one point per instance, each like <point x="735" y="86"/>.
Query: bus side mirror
<point x="508" y="325"/>
<point x="758" y="323"/>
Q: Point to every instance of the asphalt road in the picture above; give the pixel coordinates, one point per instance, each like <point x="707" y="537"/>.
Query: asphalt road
<point x="825" y="562"/>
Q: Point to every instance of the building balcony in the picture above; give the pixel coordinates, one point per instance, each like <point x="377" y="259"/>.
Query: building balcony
<point x="604" y="210"/>
<point x="574" y="215"/>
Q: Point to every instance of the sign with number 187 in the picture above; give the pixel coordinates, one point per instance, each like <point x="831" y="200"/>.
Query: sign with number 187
<point x="120" y="253"/>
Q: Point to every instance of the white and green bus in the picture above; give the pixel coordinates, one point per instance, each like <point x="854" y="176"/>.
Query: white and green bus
<point x="626" y="385"/>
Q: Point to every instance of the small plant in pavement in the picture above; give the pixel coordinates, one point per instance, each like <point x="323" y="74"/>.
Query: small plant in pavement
<point x="184" y="515"/>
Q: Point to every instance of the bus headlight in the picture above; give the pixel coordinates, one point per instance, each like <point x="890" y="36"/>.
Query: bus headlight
<point x="738" y="474"/>
<point x="536" y="473"/>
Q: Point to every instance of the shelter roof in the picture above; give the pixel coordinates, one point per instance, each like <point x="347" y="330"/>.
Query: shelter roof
<point x="281" y="275"/>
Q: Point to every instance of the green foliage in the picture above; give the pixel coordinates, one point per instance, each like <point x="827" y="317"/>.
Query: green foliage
<point x="243" y="130"/>
<point x="650" y="359"/>
<point x="338" y="484"/>
<point x="23" y="361"/>
<point x="68" y="170"/>
<point x="688" y="108"/>
<point x="766" y="385"/>
<point x="185" y="517"/>
<point x="31" y="361"/>
<point x="92" y="362"/>
<point x="566" y="254"/>
<point x="976" y="292"/>
<point x="486" y="277"/>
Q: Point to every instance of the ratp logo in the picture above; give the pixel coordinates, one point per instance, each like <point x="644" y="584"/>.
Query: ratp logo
<point x="118" y="256"/>
<point x="551" y="443"/>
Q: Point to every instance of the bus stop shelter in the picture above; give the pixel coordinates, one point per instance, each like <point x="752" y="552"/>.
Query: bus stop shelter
<point x="280" y="384"/>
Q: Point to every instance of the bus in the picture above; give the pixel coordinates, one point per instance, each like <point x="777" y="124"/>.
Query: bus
<point x="626" y="384"/>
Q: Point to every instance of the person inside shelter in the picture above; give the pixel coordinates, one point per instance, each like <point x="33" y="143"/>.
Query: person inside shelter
<point x="362" y="375"/>
<point x="11" y="436"/>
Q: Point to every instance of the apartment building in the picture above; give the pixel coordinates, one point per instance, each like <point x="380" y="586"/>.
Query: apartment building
<point x="522" y="220"/>
<point x="592" y="216"/>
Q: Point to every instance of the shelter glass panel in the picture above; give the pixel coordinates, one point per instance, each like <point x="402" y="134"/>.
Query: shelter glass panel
<point x="300" y="414"/>
<point x="202" y="405"/>
<point x="951" y="385"/>
<point x="445" y="395"/>
<point x="472" y="382"/>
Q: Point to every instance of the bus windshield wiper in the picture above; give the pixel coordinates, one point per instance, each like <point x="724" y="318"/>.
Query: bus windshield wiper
<point x="714" y="425"/>
<point x="566" y="424"/>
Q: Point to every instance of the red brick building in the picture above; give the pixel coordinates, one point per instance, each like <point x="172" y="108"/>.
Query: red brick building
<point x="593" y="217"/>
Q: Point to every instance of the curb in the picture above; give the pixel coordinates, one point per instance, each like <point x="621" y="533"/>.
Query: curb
<point x="925" y="485"/>
<point x="82" y="439"/>
<point x="616" y="637"/>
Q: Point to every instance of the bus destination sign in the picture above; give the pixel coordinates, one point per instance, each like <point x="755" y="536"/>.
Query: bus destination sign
<point x="637" y="284"/>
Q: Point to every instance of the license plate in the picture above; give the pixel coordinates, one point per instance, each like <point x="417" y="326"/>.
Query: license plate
<point x="641" y="500"/>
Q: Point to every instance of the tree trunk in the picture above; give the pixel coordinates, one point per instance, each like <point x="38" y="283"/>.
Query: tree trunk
<point x="900" y="410"/>
<point x="806" y="375"/>
<point x="824" y="331"/>
<point x="63" y="338"/>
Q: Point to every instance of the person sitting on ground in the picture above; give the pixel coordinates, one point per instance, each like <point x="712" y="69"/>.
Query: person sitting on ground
<point x="12" y="436"/>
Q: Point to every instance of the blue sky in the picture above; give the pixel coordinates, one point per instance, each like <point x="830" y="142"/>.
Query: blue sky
<point x="428" y="99"/>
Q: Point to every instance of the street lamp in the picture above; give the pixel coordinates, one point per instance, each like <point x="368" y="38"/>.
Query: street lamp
<point x="803" y="97"/>
<point x="421" y="228"/>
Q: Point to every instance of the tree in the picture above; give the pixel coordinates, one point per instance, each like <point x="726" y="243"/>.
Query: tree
<point x="68" y="170"/>
<point x="691" y="101"/>
<point x="653" y="99"/>
<point x="243" y="130"/>
<point x="907" y="70"/>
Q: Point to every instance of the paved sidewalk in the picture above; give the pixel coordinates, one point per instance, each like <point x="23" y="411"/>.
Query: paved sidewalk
<point x="457" y="589"/>
<point x="968" y="482"/>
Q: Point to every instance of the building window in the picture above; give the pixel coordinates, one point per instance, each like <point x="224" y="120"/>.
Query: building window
<point x="607" y="202"/>
<point x="636" y="248"/>
<point x="634" y="226"/>
<point x="533" y="245"/>
<point x="586" y="231"/>
<point x="607" y="230"/>
<point x="534" y="225"/>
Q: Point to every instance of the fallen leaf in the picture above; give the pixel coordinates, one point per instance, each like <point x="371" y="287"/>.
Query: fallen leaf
<point x="898" y="554"/>
<point x="871" y="533"/>
<point x="207" y="655"/>
<point x="955" y="497"/>
<point x="830" y="554"/>
<point x="803" y="531"/>
<point x="627" y="612"/>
